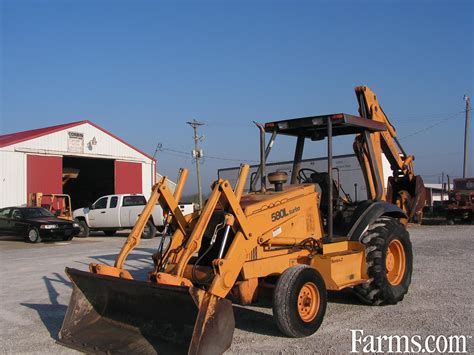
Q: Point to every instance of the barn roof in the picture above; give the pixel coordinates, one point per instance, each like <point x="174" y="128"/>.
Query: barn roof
<point x="13" y="138"/>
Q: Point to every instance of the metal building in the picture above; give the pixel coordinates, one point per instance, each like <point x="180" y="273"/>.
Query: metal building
<point x="41" y="160"/>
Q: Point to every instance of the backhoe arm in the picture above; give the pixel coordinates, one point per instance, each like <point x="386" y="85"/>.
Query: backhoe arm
<point x="403" y="188"/>
<point x="400" y="162"/>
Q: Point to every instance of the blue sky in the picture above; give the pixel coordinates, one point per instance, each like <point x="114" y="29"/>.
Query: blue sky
<point x="141" y="69"/>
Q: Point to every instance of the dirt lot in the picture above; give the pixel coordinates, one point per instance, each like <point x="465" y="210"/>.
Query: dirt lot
<point x="34" y="294"/>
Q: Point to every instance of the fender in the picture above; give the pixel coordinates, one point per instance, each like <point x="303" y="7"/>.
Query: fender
<point x="367" y="212"/>
<point x="81" y="213"/>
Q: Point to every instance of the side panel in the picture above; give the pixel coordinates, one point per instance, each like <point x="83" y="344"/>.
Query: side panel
<point x="128" y="177"/>
<point x="101" y="217"/>
<point x="113" y="212"/>
<point x="12" y="178"/>
<point x="44" y="174"/>
<point x="129" y="215"/>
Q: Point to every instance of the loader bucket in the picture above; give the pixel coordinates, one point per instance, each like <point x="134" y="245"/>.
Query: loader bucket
<point x="113" y="315"/>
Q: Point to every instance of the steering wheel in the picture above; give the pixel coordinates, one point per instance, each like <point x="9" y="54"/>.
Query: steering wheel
<point x="304" y="175"/>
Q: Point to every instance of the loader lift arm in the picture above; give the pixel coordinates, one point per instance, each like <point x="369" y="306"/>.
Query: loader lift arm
<point x="159" y="193"/>
<point x="235" y="219"/>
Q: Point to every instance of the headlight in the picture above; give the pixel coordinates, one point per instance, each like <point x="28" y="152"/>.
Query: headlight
<point x="49" y="226"/>
<point x="76" y="225"/>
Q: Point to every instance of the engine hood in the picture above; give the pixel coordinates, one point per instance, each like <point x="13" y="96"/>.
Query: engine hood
<point x="48" y="220"/>
<point x="80" y="212"/>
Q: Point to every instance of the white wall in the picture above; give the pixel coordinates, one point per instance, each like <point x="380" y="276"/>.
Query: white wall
<point x="12" y="178"/>
<point x="147" y="178"/>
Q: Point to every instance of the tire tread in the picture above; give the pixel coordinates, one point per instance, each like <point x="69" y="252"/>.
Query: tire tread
<point x="377" y="291"/>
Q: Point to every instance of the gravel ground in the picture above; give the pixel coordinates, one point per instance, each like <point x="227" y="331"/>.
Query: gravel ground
<point x="34" y="295"/>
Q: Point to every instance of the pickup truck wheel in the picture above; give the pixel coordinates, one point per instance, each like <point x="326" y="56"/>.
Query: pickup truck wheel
<point x="84" y="229"/>
<point x="149" y="231"/>
<point x="109" y="232"/>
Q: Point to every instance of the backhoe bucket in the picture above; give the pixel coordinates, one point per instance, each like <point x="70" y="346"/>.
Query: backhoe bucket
<point x="113" y="315"/>
<point x="416" y="193"/>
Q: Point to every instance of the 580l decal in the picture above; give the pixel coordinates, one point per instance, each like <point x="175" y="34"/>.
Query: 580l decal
<point x="283" y="213"/>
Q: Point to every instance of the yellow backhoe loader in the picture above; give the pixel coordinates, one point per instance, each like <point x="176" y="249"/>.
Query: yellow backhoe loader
<point x="291" y="239"/>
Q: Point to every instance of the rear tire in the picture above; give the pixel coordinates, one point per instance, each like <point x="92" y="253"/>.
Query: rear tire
<point x="389" y="259"/>
<point x="84" y="229"/>
<point x="149" y="231"/>
<point x="33" y="235"/>
<point x="299" y="301"/>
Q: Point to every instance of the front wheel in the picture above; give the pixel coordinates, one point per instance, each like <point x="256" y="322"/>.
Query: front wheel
<point x="33" y="235"/>
<point x="389" y="259"/>
<point x="299" y="301"/>
<point x="149" y="231"/>
<point x="83" y="229"/>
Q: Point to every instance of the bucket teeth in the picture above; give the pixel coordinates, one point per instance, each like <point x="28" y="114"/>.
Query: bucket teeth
<point x="113" y="315"/>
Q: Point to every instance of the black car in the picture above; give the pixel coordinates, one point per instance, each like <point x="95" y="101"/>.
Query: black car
<point x="35" y="224"/>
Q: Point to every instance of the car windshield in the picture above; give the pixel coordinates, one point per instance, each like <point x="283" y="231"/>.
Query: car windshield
<point x="36" y="213"/>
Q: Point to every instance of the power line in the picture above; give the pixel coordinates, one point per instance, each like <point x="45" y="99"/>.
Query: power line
<point x="227" y="124"/>
<point x="433" y="116"/>
<point x="174" y="151"/>
<point x="232" y="159"/>
<point x="429" y="127"/>
<point x="207" y="156"/>
<point x="177" y="155"/>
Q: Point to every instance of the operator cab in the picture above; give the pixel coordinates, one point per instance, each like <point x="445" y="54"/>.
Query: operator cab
<point x="317" y="128"/>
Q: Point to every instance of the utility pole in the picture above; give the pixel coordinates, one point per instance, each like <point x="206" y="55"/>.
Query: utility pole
<point x="466" y="135"/>
<point x="197" y="155"/>
<point x="442" y="186"/>
<point x="159" y="147"/>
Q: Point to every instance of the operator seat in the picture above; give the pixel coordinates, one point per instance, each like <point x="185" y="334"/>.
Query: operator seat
<point x="322" y="179"/>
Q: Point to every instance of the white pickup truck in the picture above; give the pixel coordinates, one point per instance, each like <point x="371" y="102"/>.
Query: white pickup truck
<point x="113" y="212"/>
